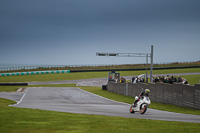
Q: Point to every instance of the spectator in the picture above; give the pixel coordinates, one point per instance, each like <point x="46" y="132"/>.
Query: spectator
<point x="142" y="79"/>
<point x="184" y="81"/>
<point x="161" y="78"/>
<point x="139" y="79"/>
<point x="122" y="80"/>
<point x="170" y="80"/>
<point x="116" y="79"/>
<point x="173" y="79"/>
<point x="153" y="79"/>
<point x="179" y="79"/>
<point x="156" y="79"/>
<point x="133" y="78"/>
<point x="136" y="79"/>
<point x="166" y="80"/>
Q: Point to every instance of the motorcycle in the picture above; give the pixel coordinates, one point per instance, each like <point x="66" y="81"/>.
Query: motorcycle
<point x="141" y="105"/>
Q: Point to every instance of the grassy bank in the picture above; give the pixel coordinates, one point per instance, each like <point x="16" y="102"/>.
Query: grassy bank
<point x="86" y="75"/>
<point x="19" y="120"/>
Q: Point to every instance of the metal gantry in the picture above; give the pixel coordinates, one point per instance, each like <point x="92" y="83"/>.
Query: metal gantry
<point x="125" y="54"/>
<point x="134" y="55"/>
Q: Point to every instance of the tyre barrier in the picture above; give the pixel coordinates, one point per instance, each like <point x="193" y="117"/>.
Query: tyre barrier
<point x="104" y="87"/>
<point x="13" y="84"/>
<point x="34" y="72"/>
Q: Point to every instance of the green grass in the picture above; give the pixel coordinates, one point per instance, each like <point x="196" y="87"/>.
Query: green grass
<point x="192" y="79"/>
<point x="10" y="88"/>
<point x="15" y="88"/>
<point x="53" y="77"/>
<point x="85" y="75"/>
<point x="19" y="120"/>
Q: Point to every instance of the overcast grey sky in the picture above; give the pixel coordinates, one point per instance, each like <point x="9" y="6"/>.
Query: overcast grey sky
<point x="72" y="31"/>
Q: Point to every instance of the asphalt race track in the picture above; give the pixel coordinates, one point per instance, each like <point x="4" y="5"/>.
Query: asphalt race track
<point x="75" y="100"/>
<point x="15" y="96"/>
<point x="81" y="82"/>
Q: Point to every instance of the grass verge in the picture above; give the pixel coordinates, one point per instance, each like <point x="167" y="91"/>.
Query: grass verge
<point x="88" y="75"/>
<point x="192" y="79"/>
<point x="19" y="120"/>
<point x="15" y="88"/>
<point x="10" y="88"/>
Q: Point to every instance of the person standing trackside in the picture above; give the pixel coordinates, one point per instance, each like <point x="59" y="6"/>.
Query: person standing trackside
<point x="179" y="80"/>
<point x="116" y="79"/>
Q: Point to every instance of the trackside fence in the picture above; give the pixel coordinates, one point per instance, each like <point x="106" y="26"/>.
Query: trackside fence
<point x="175" y="94"/>
<point x="97" y="67"/>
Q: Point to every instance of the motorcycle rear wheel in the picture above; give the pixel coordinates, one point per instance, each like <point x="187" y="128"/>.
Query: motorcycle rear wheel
<point x="131" y="109"/>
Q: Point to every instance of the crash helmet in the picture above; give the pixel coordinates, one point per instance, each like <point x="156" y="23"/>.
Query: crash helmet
<point x="136" y="97"/>
<point x="147" y="91"/>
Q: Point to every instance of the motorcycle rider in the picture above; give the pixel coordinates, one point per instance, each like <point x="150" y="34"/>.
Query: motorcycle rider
<point x="143" y="93"/>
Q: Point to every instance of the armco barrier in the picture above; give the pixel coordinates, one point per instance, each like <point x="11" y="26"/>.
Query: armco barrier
<point x="34" y="72"/>
<point x="176" y="94"/>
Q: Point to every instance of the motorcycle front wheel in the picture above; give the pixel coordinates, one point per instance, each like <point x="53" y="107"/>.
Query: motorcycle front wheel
<point x="131" y="109"/>
<point x="143" y="108"/>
